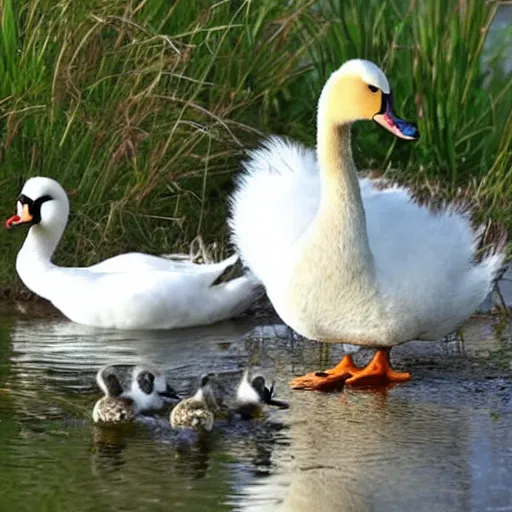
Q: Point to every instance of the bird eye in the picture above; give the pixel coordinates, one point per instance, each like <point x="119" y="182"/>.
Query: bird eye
<point x="373" y="88"/>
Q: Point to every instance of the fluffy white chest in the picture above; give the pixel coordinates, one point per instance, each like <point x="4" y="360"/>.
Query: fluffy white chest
<point x="329" y="302"/>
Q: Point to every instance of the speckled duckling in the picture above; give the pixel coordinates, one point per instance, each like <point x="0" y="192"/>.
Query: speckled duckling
<point x="198" y="412"/>
<point x="252" y="395"/>
<point x="112" y="408"/>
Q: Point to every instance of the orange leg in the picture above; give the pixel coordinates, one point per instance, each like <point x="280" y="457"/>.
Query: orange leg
<point x="377" y="372"/>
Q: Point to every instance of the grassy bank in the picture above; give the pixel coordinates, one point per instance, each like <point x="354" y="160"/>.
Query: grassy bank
<point x="143" y="109"/>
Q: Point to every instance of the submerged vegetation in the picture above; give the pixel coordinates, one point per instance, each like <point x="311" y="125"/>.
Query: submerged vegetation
<point x="143" y="109"/>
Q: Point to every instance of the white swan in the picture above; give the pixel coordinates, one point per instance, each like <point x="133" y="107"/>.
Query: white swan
<point x="351" y="261"/>
<point x="129" y="291"/>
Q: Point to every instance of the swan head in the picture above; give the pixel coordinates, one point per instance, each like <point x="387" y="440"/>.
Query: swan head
<point x="359" y="90"/>
<point x="42" y="202"/>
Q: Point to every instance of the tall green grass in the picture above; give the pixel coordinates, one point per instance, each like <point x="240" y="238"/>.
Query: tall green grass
<point x="432" y="51"/>
<point x="140" y="109"/>
<point x="143" y="109"/>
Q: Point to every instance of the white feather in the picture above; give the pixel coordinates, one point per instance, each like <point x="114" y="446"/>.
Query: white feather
<point x="245" y="393"/>
<point x="143" y="401"/>
<point x="101" y="381"/>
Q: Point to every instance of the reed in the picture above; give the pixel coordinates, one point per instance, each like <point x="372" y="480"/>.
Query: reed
<point x="143" y="109"/>
<point x="140" y="109"/>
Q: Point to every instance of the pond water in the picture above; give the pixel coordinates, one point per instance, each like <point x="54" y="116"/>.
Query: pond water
<point x="441" y="442"/>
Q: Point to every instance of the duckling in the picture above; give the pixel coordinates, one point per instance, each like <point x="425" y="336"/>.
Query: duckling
<point x="149" y="389"/>
<point x="113" y="407"/>
<point x="252" y="395"/>
<point x="198" y="411"/>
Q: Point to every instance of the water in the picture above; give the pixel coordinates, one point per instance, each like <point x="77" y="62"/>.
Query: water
<point x="500" y="34"/>
<point x="441" y="442"/>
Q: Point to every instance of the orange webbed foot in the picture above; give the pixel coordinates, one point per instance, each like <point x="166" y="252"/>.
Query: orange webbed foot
<point x="377" y="372"/>
<point x="326" y="380"/>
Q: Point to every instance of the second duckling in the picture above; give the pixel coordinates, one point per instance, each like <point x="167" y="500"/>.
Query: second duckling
<point x="112" y="408"/>
<point x="251" y="395"/>
<point x="149" y="389"/>
<point x="198" y="411"/>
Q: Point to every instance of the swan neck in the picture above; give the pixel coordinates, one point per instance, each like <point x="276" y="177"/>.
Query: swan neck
<point x="34" y="263"/>
<point x="341" y="211"/>
<point x="40" y="244"/>
<point x="338" y="171"/>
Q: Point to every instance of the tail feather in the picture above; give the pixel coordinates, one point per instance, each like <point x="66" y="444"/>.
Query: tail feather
<point x="230" y="271"/>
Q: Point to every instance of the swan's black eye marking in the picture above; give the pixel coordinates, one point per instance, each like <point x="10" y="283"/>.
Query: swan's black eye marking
<point x="23" y="199"/>
<point x="34" y="207"/>
<point x="373" y="88"/>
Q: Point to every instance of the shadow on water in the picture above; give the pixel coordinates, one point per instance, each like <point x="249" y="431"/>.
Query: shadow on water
<point x="441" y="442"/>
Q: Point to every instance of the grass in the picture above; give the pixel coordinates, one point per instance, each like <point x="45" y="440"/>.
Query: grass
<point x="143" y="109"/>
